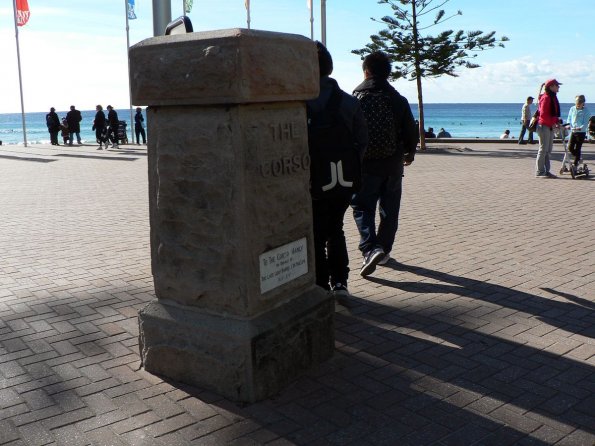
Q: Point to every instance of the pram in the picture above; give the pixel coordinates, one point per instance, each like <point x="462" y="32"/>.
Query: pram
<point x="121" y="133"/>
<point x="580" y="171"/>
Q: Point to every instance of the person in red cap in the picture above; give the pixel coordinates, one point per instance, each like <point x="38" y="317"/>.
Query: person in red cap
<point x="549" y="118"/>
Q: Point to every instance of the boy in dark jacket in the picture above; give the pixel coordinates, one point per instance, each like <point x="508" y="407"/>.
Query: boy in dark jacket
<point x="382" y="168"/>
<point x="333" y="113"/>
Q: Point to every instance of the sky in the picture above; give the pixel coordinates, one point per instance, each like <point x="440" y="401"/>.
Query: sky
<point x="74" y="51"/>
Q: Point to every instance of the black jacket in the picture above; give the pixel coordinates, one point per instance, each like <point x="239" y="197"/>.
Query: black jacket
<point x="112" y="118"/>
<point x="74" y="118"/>
<point x="404" y="123"/>
<point x="99" y="121"/>
<point x="349" y="110"/>
<point x="138" y="119"/>
<point x="52" y="121"/>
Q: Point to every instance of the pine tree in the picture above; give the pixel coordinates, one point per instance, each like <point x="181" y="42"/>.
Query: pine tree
<point x="415" y="55"/>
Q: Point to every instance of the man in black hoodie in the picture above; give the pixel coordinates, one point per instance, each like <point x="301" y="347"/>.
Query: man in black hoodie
<point x="337" y="138"/>
<point x="392" y="141"/>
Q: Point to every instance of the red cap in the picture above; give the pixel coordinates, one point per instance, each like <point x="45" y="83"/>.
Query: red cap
<point x="551" y="82"/>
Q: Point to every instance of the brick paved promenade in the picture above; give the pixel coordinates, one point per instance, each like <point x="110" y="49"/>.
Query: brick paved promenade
<point x="483" y="333"/>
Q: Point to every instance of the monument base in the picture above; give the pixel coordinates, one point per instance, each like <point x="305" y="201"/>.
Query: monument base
<point x="243" y="360"/>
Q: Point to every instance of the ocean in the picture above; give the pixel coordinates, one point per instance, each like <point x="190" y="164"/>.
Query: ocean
<point x="461" y="120"/>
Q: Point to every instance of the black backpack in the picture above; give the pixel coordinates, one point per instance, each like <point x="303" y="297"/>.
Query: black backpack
<point x="377" y="107"/>
<point x="335" y="169"/>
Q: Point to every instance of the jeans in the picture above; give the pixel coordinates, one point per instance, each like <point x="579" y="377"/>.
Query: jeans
<point x="330" y="248"/>
<point x="524" y="128"/>
<point x="78" y="137"/>
<point x="386" y="192"/>
<point x="546" y="144"/>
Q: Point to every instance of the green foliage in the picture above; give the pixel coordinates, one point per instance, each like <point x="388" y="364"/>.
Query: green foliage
<point x="415" y="54"/>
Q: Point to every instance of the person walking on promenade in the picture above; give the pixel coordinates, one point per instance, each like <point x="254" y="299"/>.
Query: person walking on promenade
<point x="549" y="118"/>
<point x="74" y="119"/>
<point x="114" y="122"/>
<point x="578" y="118"/>
<point x="53" y="123"/>
<point x="139" y="126"/>
<point x="337" y="139"/>
<point x="99" y="125"/>
<point x="392" y="141"/>
<point x="525" y="120"/>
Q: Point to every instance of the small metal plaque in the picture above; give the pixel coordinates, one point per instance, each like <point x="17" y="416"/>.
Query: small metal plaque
<point x="283" y="264"/>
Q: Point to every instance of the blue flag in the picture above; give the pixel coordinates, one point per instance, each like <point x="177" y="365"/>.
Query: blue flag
<point x="131" y="14"/>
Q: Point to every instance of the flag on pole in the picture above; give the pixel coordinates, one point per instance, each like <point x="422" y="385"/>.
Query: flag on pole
<point x="187" y="6"/>
<point x="23" y="12"/>
<point x="131" y="13"/>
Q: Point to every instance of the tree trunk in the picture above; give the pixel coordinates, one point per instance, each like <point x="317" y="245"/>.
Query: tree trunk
<point x="420" y="105"/>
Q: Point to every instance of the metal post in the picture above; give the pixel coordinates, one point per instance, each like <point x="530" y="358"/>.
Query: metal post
<point x="323" y="21"/>
<point x="161" y="16"/>
<point x="128" y="60"/>
<point x="16" y="31"/>
<point x="311" y="21"/>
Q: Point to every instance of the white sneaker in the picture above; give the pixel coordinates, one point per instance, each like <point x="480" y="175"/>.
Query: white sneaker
<point x="340" y="290"/>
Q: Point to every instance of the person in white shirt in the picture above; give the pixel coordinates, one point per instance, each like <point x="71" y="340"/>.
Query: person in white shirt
<point x="505" y="135"/>
<point x="525" y="120"/>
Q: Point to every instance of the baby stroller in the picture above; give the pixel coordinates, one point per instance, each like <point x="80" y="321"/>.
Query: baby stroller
<point x="122" y="134"/>
<point x="580" y="171"/>
<point x="591" y="129"/>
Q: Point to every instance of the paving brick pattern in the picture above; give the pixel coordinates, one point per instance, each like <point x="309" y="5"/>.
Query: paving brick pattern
<point x="483" y="333"/>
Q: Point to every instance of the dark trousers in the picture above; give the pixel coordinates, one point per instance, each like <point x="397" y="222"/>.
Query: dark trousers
<point x="113" y="134"/>
<point x="140" y="131"/>
<point x="330" y="248"/>
<point x="575" y="144"/>
<point x="384" y="191"/>
<point x="524" y="128"/>
<point x="54" y="137"/>
<point x="99" y="135"/>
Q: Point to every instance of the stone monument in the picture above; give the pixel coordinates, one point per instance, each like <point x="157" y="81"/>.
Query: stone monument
<point x="237" y="309"/>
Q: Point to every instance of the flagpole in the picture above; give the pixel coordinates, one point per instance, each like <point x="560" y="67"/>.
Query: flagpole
<point x="16" y="31"/>
<point x="184" y="8"/>
<point x="323" y="21"/>
<point x="248" y="13"/>
<point x="311" y="20"/>
<point x="129" y="84"/>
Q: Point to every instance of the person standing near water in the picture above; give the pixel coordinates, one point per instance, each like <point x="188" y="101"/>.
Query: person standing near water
<point x="74" y="119"/>
<point x="525" y="120"/>
<point x="549" y="119"/>
<point x="139" y="126"/>
<point x="53" y="123"/>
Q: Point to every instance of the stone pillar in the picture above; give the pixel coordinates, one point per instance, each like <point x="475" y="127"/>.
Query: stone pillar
<point x="231" y="239"/>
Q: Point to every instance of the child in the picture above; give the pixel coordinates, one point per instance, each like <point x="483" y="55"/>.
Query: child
<point x="578" y="119"/>
<point x="65" y="132"/>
